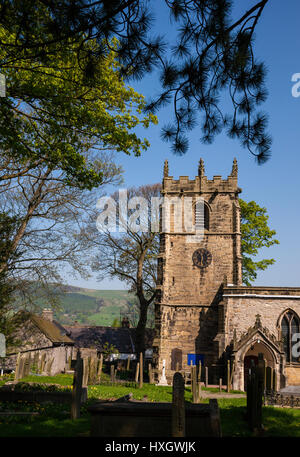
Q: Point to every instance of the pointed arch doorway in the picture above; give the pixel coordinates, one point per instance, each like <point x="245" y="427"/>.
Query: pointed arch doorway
<point x="251" y="355"/>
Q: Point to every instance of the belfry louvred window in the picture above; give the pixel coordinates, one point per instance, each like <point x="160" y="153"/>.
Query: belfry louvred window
<point x="290" y="326"/>
<point x="200" y="214"/>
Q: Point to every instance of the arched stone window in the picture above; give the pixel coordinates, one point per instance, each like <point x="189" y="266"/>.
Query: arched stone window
<point x="289" y="326"/>
<point x="197" y="215"/>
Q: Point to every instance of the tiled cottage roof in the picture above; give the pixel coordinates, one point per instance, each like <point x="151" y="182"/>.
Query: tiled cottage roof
<point x="97" y="336"/>
<point x="51" y="329"/>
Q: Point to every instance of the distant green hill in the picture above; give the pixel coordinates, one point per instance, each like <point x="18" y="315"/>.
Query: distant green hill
<point x="90" y="306"/>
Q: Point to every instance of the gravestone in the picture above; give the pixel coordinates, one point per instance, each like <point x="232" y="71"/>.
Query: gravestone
<point x="77" y="388"/>
<point x="255" y="389"/>
<point x="178" y="406"/>
<point x="85" y="372"/>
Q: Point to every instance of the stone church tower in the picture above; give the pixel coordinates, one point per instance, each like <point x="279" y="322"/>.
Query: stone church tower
<point x="191" y="271"/>
<point x="202" y="311"/>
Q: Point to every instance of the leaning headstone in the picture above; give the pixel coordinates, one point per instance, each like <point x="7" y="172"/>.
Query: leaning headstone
<point x="77" y="388"/>
<point x="178" y="406"/>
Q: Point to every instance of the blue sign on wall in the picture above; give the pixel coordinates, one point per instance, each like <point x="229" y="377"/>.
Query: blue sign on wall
<point x="195" y="359"/>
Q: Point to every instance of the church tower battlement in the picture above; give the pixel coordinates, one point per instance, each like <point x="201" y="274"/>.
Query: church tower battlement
<point x="201" y="184"/>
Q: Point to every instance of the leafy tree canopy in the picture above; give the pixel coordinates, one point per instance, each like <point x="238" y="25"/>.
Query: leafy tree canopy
<point x="256" y="234"/>
<point x="54" y="112"/>
<point x="212" y="52"/>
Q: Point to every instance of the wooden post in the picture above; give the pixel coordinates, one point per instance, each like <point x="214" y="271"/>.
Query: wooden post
<point x="206" y="376"/>
<point x="21" y="368"/>
<point x="85" y="372"/>
<point x="128" y="363"/>
<point x="17" y="372"/>
<point x="150" y="374"/>
<point x="194" y="384"/>
<point x="27" y="366"/>
<point x="275" y="381"/>
<point x="141" y="371"/>
<point x="43" y="362"/>
<point x="77" y="388"/>
<point x="93" y="367"/>
<point x="137" y="370"/>
<point x="231" y="375"/>
<point x="220" y="384"/>
<point x="50" y="366"/>
<point x="178" y="406"/>
<point x="228" y="375"/>
<point x="271" y="380"/>
<point x="100" y="368"/>
<point x="199" y="371"/>
<point x="177" y="366"/>
<point x="35" y="362"/>
<point x="112" y="374"/>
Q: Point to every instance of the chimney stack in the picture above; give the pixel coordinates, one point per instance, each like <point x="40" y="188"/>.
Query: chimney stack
<point x="48" y="314"/>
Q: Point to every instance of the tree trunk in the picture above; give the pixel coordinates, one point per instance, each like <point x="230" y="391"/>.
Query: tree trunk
<point x="141" y="326"/>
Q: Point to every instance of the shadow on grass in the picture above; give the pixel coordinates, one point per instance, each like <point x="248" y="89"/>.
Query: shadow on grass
<point x="281" y="421"/>
<point x="48" y="428"/>
<point x="277" y="422"/>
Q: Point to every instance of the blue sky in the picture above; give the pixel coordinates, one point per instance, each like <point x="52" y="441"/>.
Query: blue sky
<point x="275" y="184"/>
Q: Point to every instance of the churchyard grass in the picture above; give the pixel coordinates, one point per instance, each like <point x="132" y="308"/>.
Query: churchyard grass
<point x="54" y="419"/>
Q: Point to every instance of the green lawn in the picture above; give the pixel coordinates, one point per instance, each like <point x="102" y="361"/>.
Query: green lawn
<point x="54" y="420"/>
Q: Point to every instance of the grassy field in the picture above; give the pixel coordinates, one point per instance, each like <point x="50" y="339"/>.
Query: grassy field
<point x="89" y="306"/>
<point x="54" y="420"/>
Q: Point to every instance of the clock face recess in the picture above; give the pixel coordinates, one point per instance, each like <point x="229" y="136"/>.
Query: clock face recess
<point x="202" y="258"/>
